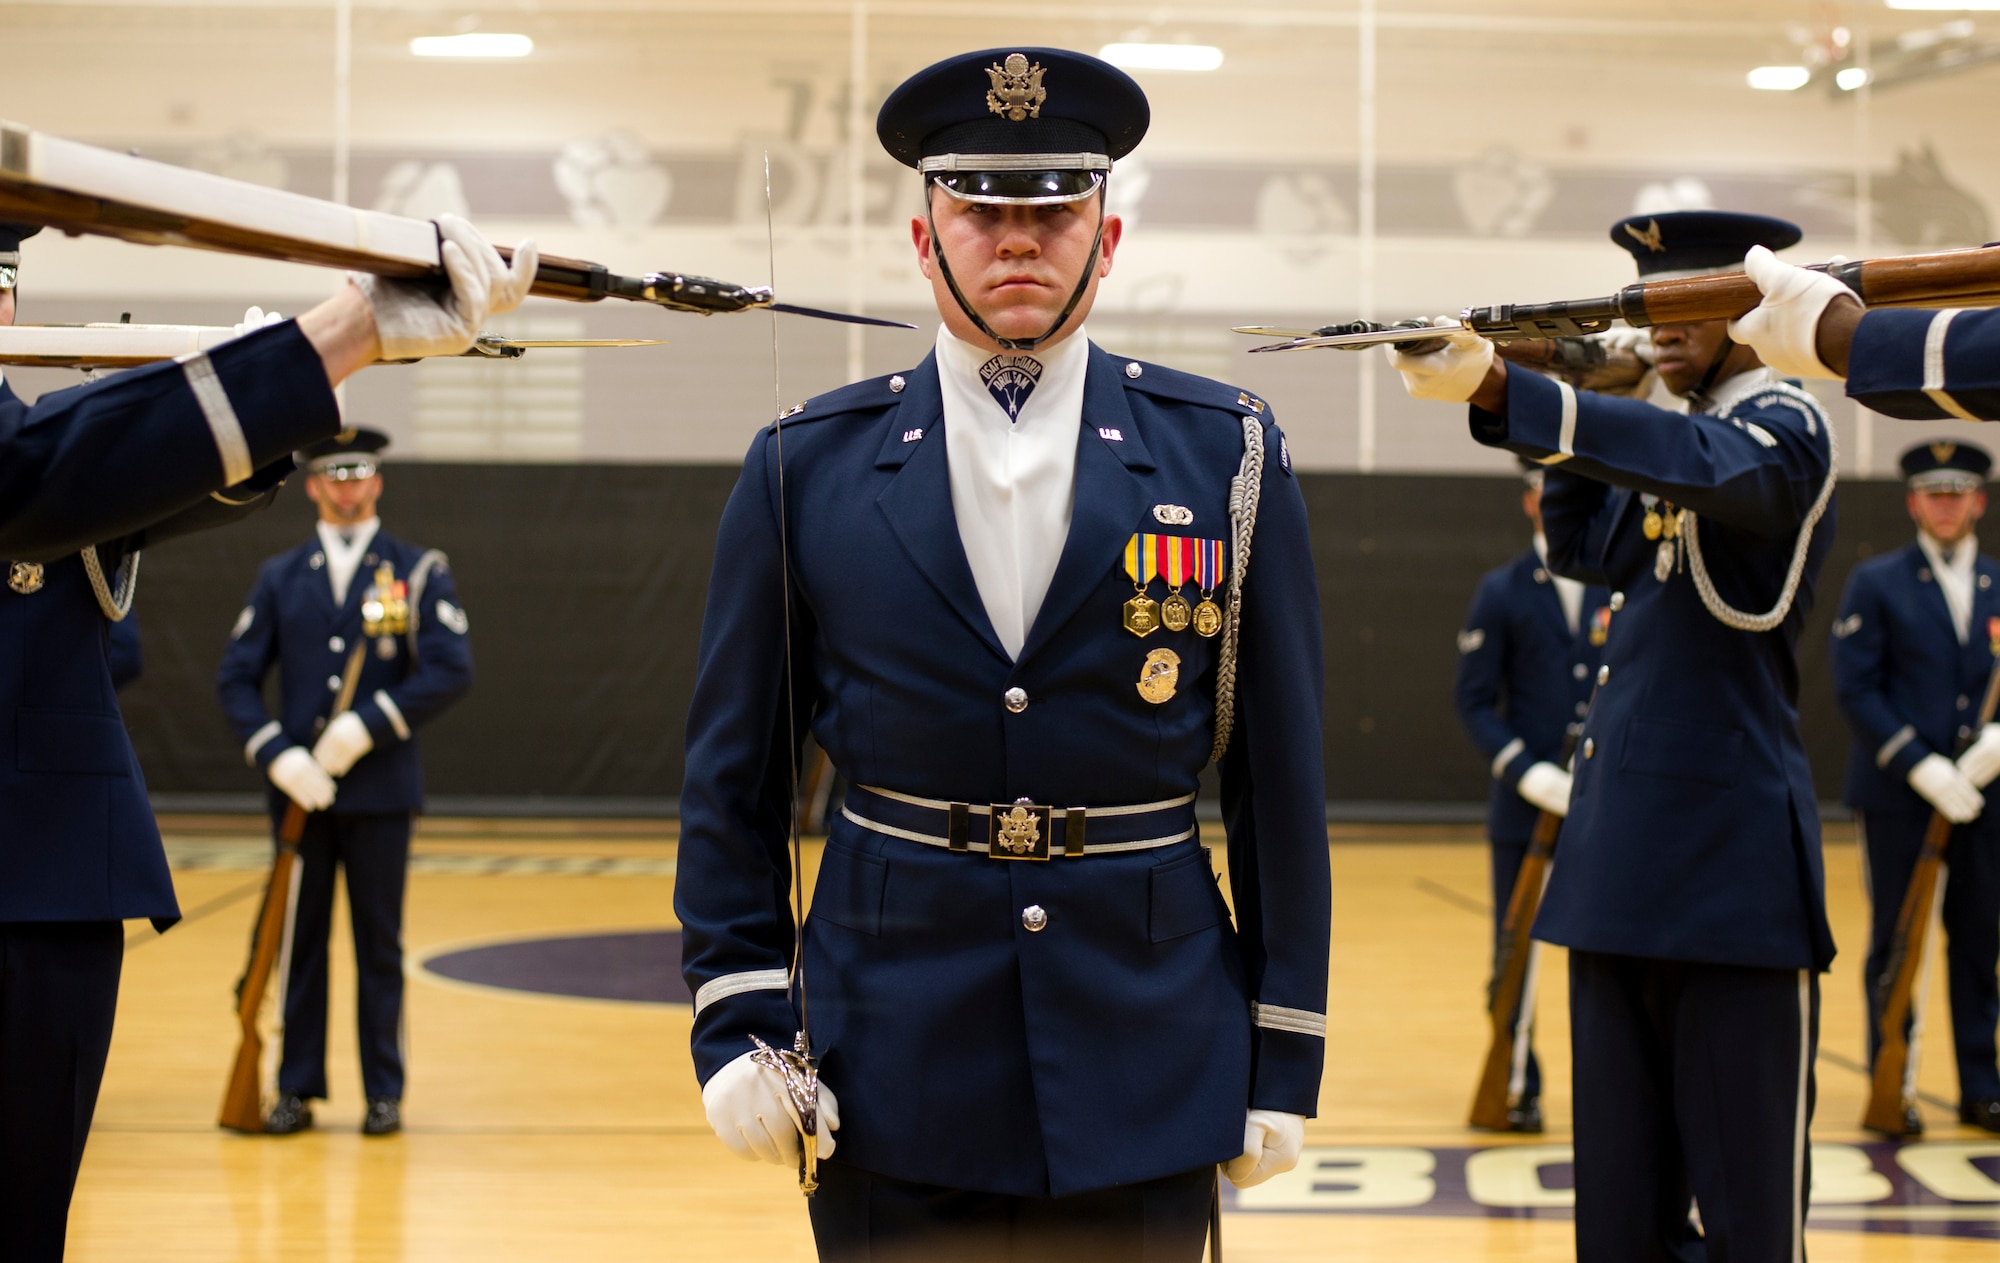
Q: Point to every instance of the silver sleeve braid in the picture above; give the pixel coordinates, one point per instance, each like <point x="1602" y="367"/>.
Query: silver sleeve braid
<point x="1727" y="614"/>
<point x="116" y="605"/>
<point x="1244" y="490"/>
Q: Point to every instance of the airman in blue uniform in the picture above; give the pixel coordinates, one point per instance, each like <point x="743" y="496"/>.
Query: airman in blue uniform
<point x="1913" y="647"/>
<point x="1023" y="616"/>
<point x="1689" y="886"/>
<point x="1527" y="658"/>
<point x="351" y="598"/>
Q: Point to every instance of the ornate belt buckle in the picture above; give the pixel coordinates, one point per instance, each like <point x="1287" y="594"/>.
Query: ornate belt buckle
<point x="1021" y="831"/>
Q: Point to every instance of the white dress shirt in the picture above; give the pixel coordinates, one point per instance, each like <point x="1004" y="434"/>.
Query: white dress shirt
<point x="1012" y="481"/>
<point x="1568" y="591"/>
<point x="1954" y="575"/>
<point x="343" y="555"/>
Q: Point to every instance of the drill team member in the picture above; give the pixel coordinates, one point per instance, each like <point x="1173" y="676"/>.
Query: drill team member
<point x="1689" y="886"/>
<point x="1526" y="659"/>
<point x="1014" y="578"/>
<point x="1912" y="649"/>
<point x="352" y="588"/>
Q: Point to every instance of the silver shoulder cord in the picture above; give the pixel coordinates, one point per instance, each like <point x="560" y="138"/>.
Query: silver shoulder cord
<point x="796" y="1066"/>
<point x="1728" y="615"/>
<point x="1244" y="491"/>
<point x="116" y="604"/>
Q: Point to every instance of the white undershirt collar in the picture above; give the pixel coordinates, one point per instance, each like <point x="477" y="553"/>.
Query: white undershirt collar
<point x="1954" y="575"/>
<point x="1568" y="591"/>
<point x="343" y="557"/>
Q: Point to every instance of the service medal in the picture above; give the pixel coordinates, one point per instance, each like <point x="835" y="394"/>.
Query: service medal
<point x="1207" y="618"/>
<point x="1142" y="613"/>
<point x="1177" y="557"/>
<point x="1176" y="613"/>
<point x="25" y="577"/>
<point x="1160" y="675"/>
<point x="1652" y="526"/>
<point x="1993" y="635"/>
<point x="1207" y="575"/>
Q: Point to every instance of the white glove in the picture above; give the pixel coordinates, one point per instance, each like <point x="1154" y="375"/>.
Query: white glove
<point x="1947" y="789"/>
<point x="752" y="1112"/>
<point x="304" y="781"/>
<point x="343" y="743"/>
<point x="1271" y="1144"/>
<point x="1543" y="784"/>
<point x="257" y="318"/>
<point x="1981" y="761"/>
<point x="1784" y="328"/>
<point x="1452" y="373"/>
<point x="414" y="319"/>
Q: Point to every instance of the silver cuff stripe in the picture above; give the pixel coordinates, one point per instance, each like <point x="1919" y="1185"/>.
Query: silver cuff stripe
<point x="1508" y="753"/>
<point x="931" y="839"/>
<point x="736" y="984"/>
<point x="978" y="809"/>
<point x="1904" y="736"/>
<point x="259" y="739"/>
<point x="1566" y="438"/>
<point x="394" y="715"/>
<point x="222" y="423"/>
<point x="1934" y="365"/>
<point x="1298" y="1021"/>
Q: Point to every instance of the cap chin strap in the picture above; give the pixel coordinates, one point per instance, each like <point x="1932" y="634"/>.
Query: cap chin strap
<point x="1016" y="345"/>
<point x="1722" y="353"/>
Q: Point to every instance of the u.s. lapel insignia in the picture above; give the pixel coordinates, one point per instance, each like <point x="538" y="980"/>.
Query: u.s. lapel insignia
<point x="1017" y="92"/>
<point x="1160" y="675"/>
<point x="25" y="577"/>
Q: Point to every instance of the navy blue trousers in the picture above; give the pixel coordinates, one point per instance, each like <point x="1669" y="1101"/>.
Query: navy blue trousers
<point x="1971" y="915"/>
<point x="374" y="852"/>
<point x="58" y="995"/>
<point x="1694" y="1087"/>
<point x="1507" y="857"/>
<point x="860" y="1217"/>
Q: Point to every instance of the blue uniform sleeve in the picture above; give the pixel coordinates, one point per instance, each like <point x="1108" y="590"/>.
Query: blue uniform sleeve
<point x="1927" y="365"/>
<point x="732" y="889"/>
<point x="440" y="670"/>
<point x="1484" y="649"/>
<point x="1758" y="475"/>
<point x="1577" y="513"/>
<point x="109" y="459"/>
<point x="1274" y="802"/>
<point x="239" y="681"/>
<point x="1861" y="678"/>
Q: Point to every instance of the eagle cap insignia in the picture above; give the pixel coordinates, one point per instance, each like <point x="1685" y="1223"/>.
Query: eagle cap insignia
<point x="1943" y="452"/>
<point x="1650" y="238"/>
<point x="1017" y="92"/>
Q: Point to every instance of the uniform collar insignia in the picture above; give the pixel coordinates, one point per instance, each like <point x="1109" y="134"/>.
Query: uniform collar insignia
<point x="1017" y="92"/>
<point x="1010" y="379"/>
<point x="1649" y="238"/>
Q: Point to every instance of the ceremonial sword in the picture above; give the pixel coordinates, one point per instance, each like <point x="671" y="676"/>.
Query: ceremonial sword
<point x="130" y="345"/>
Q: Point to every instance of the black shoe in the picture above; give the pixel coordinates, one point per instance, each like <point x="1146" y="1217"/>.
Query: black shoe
<point x="1984" y="1114"/>
<point x="1526" y="1117"/>
<point x="385" y="1117"/>
<point x="291" y="1114"/>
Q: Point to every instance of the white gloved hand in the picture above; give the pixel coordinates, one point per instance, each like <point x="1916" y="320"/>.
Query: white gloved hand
<point x="1271" y="1144"/>
<point x="257" y="318"/>
<point x="304" y="781"/>
<point x="418" y="318"/>
<point x="1784" y="328"/>
<point x="1981" y="761"/>
<point x="752" y="1113"/>
<point x="1947" y="789"/>
<point x="1451" y="373"/>
<point x="1546" y="786"/>
<point x="343" y="743"/>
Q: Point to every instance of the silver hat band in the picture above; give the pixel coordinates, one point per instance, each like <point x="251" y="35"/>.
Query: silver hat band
<point x="952" y="162"/>
<point x="1946" y="480"/>
<point x="344" y="468"/>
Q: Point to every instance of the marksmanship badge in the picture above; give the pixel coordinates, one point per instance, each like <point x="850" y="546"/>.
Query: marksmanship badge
<point x="25" y="577"/>
<point x="1017" y="92"/>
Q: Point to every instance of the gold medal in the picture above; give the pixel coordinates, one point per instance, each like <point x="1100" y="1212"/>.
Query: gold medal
<point x="1178" y="565"/>
<point x="1176" y="613"/>
<point x="1142" y="615"/>
<point x="1653" y="526"/>
<point x="1207" y="618"/>
<point x="1207" y="575"/>
<point x="1142" y="612"/>
<point x="1670" y="527"/>
<point x="1159" y="676"/>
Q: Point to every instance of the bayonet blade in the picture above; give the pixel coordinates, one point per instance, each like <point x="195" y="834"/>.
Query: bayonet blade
<point x="820" y="314"/>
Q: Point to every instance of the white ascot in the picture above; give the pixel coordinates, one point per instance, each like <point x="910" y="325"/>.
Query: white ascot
<point x="1954" y="574"/>
<point x="344" y="553"/>
<point x="1568" y="591"/>
<point x="1012" y="479"/>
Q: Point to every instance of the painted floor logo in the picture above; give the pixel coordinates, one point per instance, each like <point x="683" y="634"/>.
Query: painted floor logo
<point x="1940" y="1188"/>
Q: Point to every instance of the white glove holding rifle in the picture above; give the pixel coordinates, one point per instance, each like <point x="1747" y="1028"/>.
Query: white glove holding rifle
<point x="751" y="1111"/>
<point x="1452" y="373"/>
<point x="304" y="781"/>
<point x="415" y="319"/>
<point x="1784" y="328"/>
<point x="343" y="743"/>
<point x="1946" y="788"/>
<point x="1546" y="786"/>
<point x="1981" y="760"/>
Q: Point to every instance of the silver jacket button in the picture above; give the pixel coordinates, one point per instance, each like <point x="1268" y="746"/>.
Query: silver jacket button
<point x="336" y="644"/>
<point x="896" y="384"/>
<point x="1617" y="601"/>
<point x="1604" y="675"/>
<point x="1133" y="369"/>
<point x="1017" y="699"/>
<point x="1589" y="748"/>
<point x="333" y="684"/>
<point x="1033" y="919"/>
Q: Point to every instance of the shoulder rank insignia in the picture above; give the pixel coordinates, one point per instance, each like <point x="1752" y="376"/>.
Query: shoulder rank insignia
<point x="1470" y="640"/>
<point x="1017" y="93"/>
<point x="791" y="412"/>
<point x="1845" y="627"/>
<point x="1244" y="399"/>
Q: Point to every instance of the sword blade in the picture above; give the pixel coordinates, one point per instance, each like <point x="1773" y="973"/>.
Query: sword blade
<point x="820" y="314"/>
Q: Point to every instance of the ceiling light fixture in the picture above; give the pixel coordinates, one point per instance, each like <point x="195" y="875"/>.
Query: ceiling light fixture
<point x="1162" y="56"/>
<point x="472" y="44"/>
<point x="1778" y="78"/>
<point x="1851" y="78"/>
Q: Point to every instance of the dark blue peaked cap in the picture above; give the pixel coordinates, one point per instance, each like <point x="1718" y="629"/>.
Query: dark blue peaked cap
<point x="1014" y="101"/>
<point x="1945" y="465"/>
<point x="12" y="235"/>
<point x="357" y="441"/>
<point x="1699" y="241"/>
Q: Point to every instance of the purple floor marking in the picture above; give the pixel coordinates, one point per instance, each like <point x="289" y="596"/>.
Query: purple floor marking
<point x="642" y="967"/>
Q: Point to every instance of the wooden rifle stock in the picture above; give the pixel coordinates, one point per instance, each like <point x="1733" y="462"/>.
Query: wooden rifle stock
<point x="243" y="1098"/>
<point x="1510" y="975"/>
<point x="1897" y="985"/>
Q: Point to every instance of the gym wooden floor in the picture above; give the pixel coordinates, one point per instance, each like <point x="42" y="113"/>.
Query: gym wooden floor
<point x="543" y="1128"/>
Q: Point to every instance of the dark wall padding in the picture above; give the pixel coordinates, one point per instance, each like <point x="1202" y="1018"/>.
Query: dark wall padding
<point x="584" y="584"/>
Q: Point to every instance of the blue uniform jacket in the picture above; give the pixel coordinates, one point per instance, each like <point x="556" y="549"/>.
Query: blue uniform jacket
<point x="125" y="463"/>
<point x="1693" y="831"/>
<point x="1928" y="365"/>
<point x="1125" y="1040"/>
<point x="1906" y="685"/>
<point x="291" y="622"/>
<point x="1523" y="679"/>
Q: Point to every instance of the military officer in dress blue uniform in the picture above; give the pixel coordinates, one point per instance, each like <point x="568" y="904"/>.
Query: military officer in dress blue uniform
<point x="1526" y="660"/>
<point x="1913" y="646"/>
<point x="1022" y="619"/>
<point x="1689" y="886"/>
<point x="350" y="595"/>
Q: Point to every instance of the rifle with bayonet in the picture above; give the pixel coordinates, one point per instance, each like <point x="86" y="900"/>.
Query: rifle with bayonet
<point x="127" y="345"/>
<point x="1950" y="278"/>
<point x="1593" y="363"/>
<point x="85" y="190"/>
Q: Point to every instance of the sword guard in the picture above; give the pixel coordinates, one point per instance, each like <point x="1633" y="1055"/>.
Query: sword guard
<point x="800" y="1070"/>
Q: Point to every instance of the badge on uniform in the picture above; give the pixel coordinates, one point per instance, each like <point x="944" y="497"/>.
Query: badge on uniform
<point x="1993" y="635"/>
<point x="25" y="577"/>
<point x="385" y="610"/>
<point x="1600" y="626"/>
<point x="1159" y="676"/>
<point x="1181" y="559"/>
